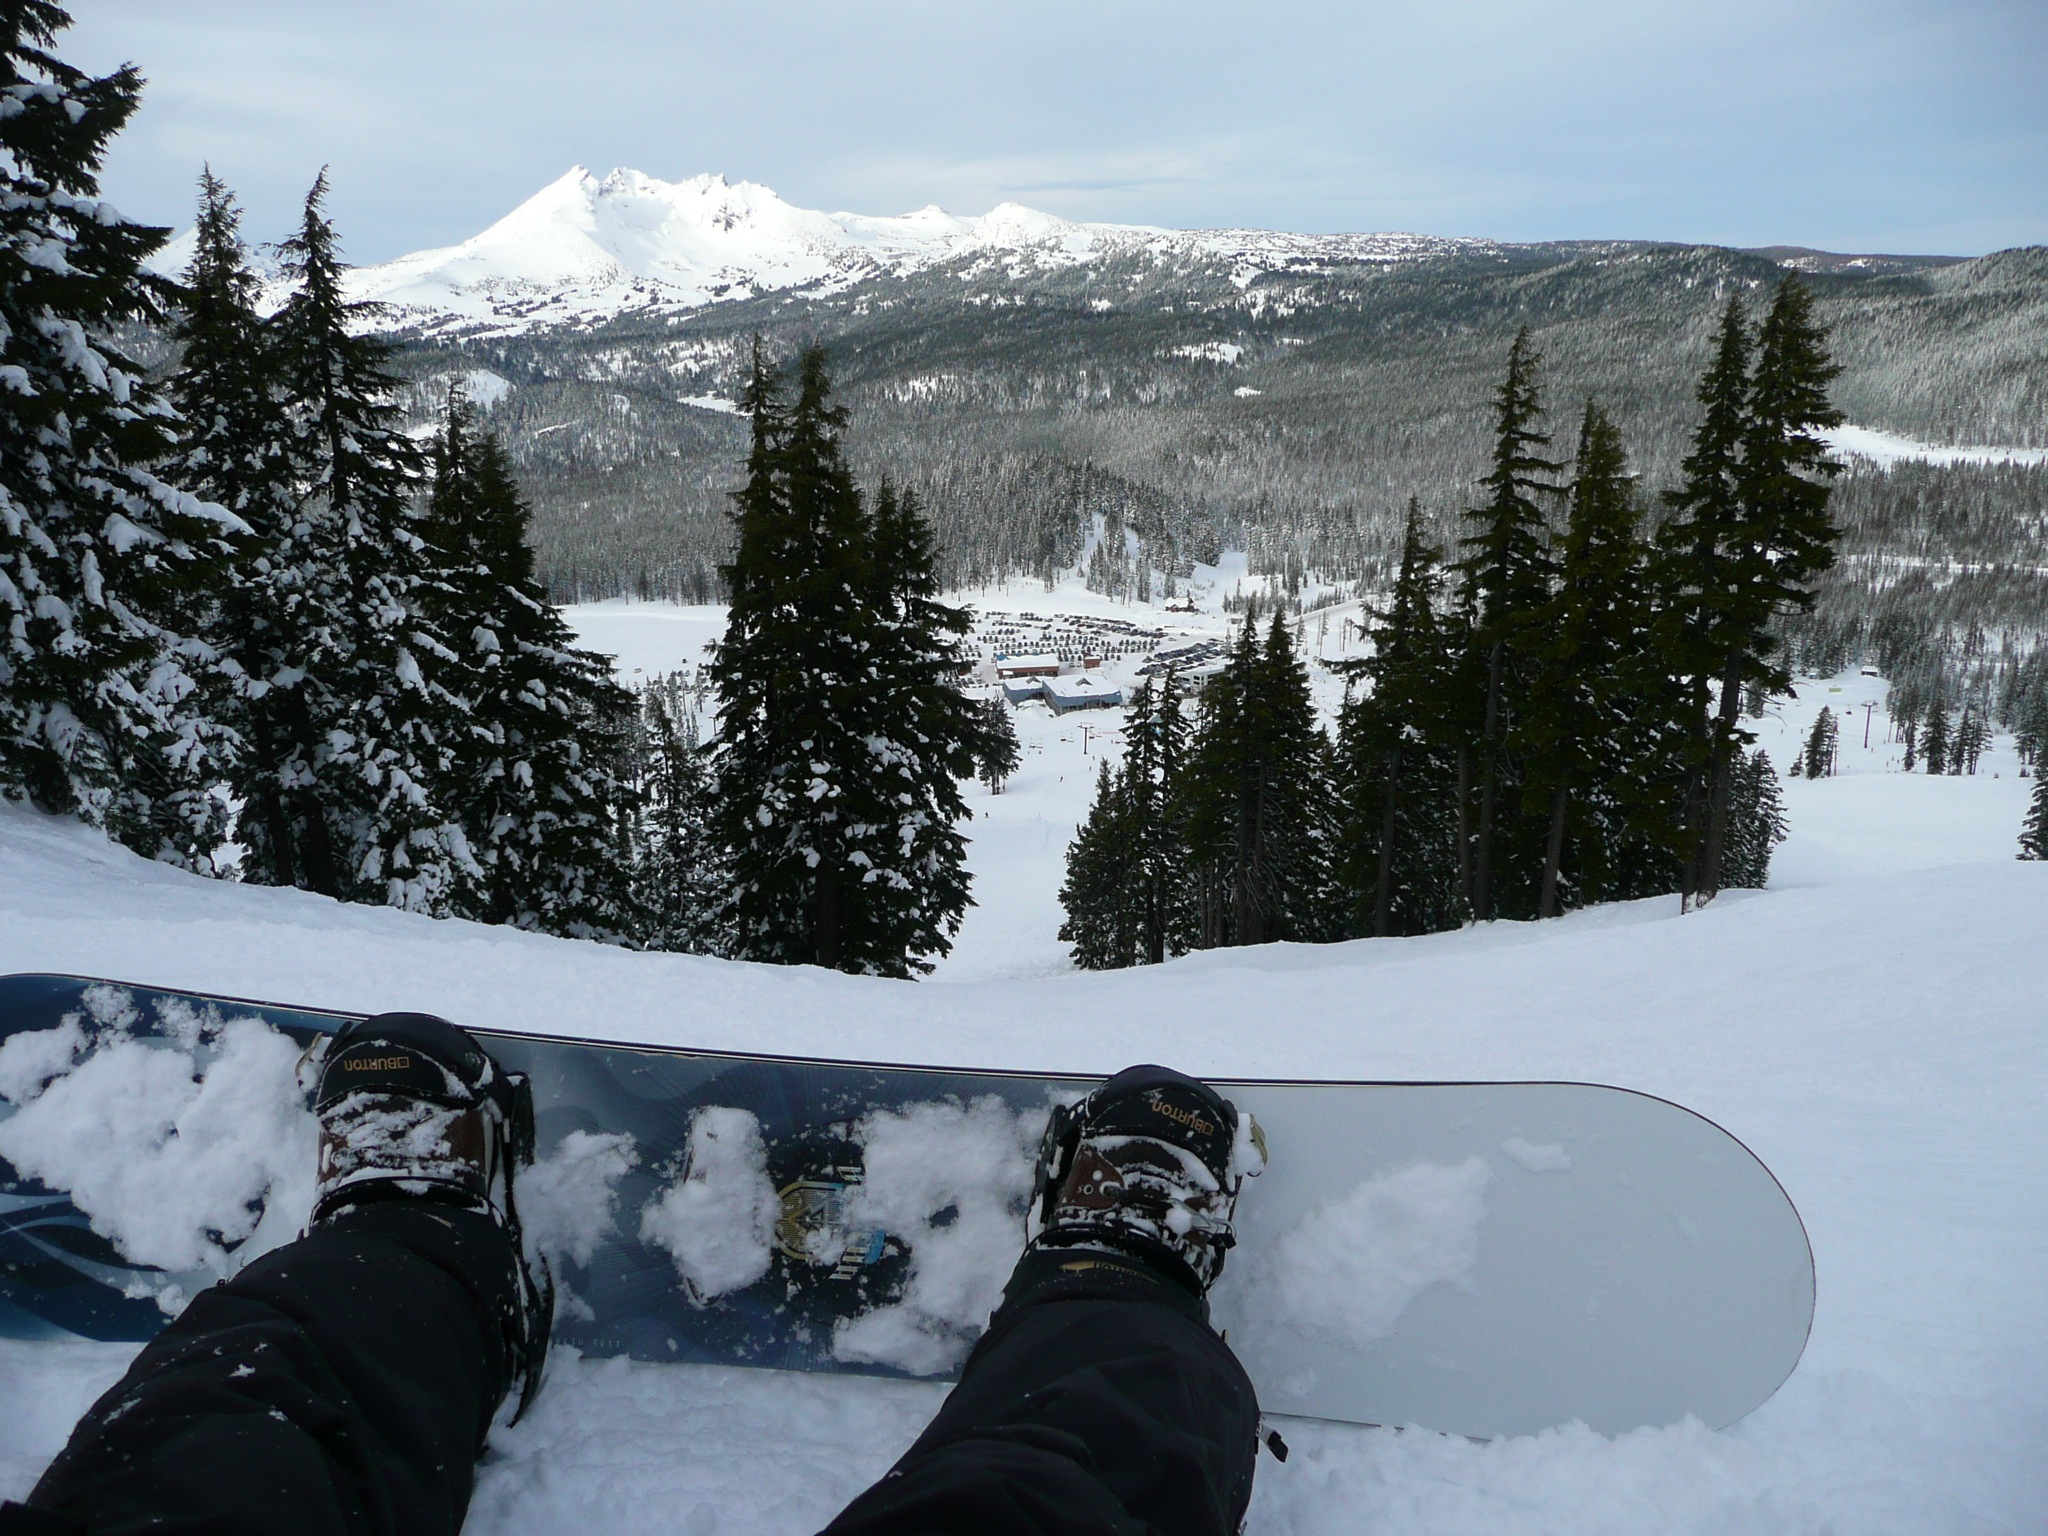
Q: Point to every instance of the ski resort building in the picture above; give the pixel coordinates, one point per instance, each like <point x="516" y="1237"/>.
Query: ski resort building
<point x="1018" y="689"/>
<point x="1084" y="692"/>
<point x="1037" y="664"/>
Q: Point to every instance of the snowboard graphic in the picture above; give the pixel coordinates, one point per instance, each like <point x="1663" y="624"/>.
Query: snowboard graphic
<point x="1475" y="1258"/>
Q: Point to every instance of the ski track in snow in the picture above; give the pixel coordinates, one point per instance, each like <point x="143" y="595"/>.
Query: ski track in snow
<point x="1872" y="1027"/>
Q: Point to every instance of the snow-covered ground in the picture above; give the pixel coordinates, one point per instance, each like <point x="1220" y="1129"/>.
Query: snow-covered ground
<point x="1870" y="818"/>
<point x="1872" y="1027"/>
<point x="1888" y="448"/>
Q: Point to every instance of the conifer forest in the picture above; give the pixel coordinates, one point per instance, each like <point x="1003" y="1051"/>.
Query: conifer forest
<point x="279" y="582"/>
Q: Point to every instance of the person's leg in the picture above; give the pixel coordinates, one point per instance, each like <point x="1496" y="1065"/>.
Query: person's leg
<point x="343" y="1384"/>
<point x="1100" y="1401"/>
<point x="340" y="1386"/>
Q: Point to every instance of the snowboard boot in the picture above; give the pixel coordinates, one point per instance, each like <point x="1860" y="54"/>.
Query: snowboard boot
<point x="1147" y="1166"/>
<point x="411" y="1108"/>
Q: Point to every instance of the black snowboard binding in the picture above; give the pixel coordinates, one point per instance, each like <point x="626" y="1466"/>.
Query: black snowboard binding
<point x="412" y="1108"/>
<point x="1148" y="1165"/>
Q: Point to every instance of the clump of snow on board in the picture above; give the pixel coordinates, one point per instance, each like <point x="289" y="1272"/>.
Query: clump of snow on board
<point x="1350" y="1267"/>
<point x="568" y="1200"/>
<point x="950" y="1181"/>
<point x="194" y="1150"/>
<point x="717" y="1216"/>
<point x="193" y="1153"/>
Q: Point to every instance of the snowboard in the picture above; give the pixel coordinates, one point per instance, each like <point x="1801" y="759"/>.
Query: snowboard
<point x="1482" y="1259"/>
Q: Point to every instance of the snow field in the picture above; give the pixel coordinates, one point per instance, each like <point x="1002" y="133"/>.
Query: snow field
<point x="1871" y="1027"/>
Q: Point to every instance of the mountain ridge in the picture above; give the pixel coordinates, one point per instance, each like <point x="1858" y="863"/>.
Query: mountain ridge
<point x="587" y="249"/>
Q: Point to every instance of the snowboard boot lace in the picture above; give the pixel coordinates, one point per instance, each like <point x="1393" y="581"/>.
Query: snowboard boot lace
<point x="1148" y="1165"/>
<point x="411" y="1107"/>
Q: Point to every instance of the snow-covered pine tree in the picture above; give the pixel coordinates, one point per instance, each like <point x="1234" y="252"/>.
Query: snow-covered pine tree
<point x="998" y="752"/>
<point x="1972" y="737"/>
<point x="1756" y="823"/>
<point x="1750" y="530"/>
<point x="1505" y="580"/>
<point x="237" y="450"/>
<point x="841" y="730"/>
<point x="107" y="571"/>
<point x="1699" y="542"/>
<point x="381" y="724"/>
<point x="1818" y="758"/>
<point x="2034" y="830"/>
<point x="1261" y="823"/>
<point x="678" y="878"/>
<point x="1934" y="739"/>
<point x="1155" y="753"/>
<point x="924" y="738"/>
<point x="1103" y="921"/>
<point x="533" y="778"/>
<point x="1581" y="732"/>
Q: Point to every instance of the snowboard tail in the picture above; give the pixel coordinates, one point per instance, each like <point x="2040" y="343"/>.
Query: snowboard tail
<point x="1479" y="1258"/>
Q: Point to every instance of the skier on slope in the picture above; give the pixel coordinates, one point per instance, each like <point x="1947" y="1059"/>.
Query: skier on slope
<point x="346" y="1382"/>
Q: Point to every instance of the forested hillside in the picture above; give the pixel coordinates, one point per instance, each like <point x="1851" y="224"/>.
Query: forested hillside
<point x="1292" y="411"/>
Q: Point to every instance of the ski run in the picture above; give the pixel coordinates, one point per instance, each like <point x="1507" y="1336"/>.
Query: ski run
<point x="1871" y="1026"/>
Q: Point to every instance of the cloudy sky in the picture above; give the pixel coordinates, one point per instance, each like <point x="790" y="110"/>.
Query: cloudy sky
<point x="1854" y="125"/>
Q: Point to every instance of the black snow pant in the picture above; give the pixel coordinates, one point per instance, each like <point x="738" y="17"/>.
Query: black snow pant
<point x="339" y="1386"/>
<point x="1099" y="1403"/>
<point x="344" y="1384"/>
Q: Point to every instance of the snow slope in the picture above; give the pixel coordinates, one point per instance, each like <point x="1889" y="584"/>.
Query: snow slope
<point x="1872" y="1029"/>
<point x="1885" y="449"/>
<point x="586" y="247"/>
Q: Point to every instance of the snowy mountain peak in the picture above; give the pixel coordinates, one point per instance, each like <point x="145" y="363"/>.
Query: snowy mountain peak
<point x="588" y="247"/>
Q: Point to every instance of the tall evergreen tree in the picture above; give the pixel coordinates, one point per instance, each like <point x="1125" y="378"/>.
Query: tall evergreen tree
<point x="678" y="874"/>
<point x="1972" y="737"/>
<point x="1702" y="624"/>
<point x="1397" y="753"/>
<point x="2034" y="830"/>
<point x="924" y="737"/>
<point x="107" y="571"/>
<point x="1506" y="578"/>
<point x="1259" y="821"/>
<point x="1578" y="734"/>
<point x="534" y="767"/>
<point x="237" y="450"/>
<point x="1155" y="756"/>
<point x="1756" y="823"/>
<point x="1934" y="739"/>
<point x="1819" y="756"/>
<point x="1750" y="529"/>
<point x="841" y="732"/>
<point x="998" y="753"/>
<point x="377" y="725"/>
<point x="1102" y="922"/>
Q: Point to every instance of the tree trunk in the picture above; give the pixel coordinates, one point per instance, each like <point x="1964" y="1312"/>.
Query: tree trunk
<point x="828" y="941"/>
<point x="1717" y="802"/>
<point x="1155" y="911"/>
<point x="283" y="865"/>
<point x="1482" y="878"/>
<point x="1694" y="809"/>
<point x="315" y="847"/>
<point x="1553" y="854"/>
<point x="1383" y="889"/>
<point x="1465" y="829"/>
<point x="1244" y="893"/>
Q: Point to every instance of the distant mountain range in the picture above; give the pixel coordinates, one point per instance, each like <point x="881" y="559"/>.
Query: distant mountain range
<point x="587" y="248"/>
